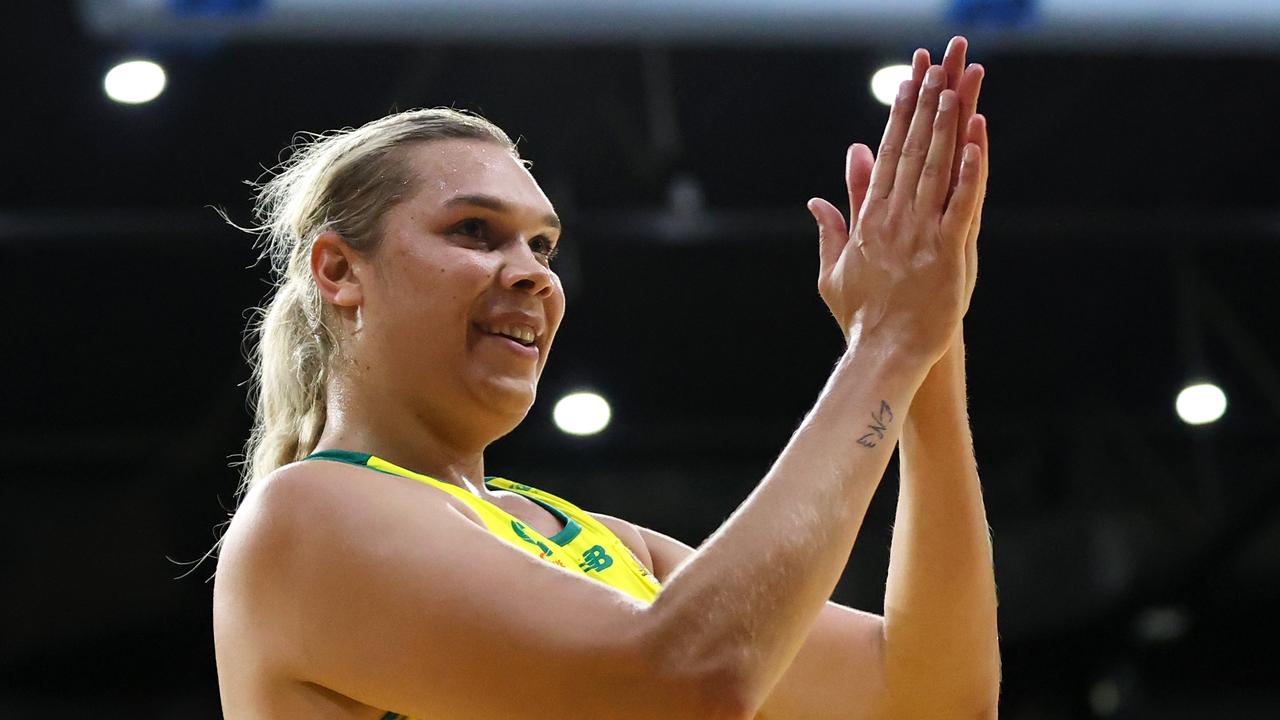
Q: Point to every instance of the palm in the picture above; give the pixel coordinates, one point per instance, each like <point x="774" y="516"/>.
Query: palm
<point x="834" y="271"/>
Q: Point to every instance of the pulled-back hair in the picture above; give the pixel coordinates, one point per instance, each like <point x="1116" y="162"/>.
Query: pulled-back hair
<point x="345" y="181"/>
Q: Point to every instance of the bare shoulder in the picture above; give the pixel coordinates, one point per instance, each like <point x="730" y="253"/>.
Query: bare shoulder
<point x="285" y="533"/>
<point x="255" y="568"/>
<point x="286" y="507"/>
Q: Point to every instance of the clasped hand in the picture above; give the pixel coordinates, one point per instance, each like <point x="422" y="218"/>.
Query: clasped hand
<point x="905" y="273"/>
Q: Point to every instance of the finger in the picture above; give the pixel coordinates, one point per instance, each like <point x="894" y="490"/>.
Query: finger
<point x="978" y="131"/>
<point x="935" y="176"/>
<point x="895" y="131"/>
<point x="833" y="233"/>
<point x="969" y="89"/>
<point x="959" y="216"/>
<point x="953" y="61"/>
<point x="858" y="163"/>
<point x="919" y="64"/>
<point x="916" y="145"/>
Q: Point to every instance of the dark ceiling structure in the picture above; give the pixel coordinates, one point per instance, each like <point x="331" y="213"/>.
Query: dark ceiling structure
<point x="1131" y="244"/>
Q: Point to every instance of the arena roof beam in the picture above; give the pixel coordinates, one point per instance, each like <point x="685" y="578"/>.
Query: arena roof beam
<point x="1123" y="24"/>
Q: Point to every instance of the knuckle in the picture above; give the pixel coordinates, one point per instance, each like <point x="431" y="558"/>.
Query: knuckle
<point x="915" y="148"/>
<point x="932" y="168"/>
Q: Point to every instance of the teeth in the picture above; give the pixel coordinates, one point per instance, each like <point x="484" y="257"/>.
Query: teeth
<point x="522" y="333"/>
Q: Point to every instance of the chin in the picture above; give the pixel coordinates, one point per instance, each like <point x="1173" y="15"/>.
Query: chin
<point x="507" y="420"/>
<point x="512" y="401"/>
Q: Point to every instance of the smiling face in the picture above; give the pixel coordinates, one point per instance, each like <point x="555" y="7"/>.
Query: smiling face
<point x="465" y="257"/>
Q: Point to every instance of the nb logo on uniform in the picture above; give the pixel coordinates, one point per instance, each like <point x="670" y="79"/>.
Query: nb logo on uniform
<point x="595" y="558"/>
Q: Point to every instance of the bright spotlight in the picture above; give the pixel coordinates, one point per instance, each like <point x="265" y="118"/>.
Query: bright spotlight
<point x="1201" y="403"/>
<point x="134" y="82"/>
<point x="581" y="413"/>
<point x="884" y="84"/>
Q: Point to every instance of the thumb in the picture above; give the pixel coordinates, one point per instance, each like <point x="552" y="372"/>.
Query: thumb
<point x="833" y="233"/>
<point x="858" y="163"/>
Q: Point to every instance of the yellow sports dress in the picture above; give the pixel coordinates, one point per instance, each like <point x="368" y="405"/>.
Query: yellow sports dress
<point x="585" y="545"/>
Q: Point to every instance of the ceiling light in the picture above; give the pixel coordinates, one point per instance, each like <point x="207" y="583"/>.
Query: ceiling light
<point x="134" y="82"/>
<point x="581" y="413"/>
<point x="885" y="82"/>
<point x="1201" y="403"/>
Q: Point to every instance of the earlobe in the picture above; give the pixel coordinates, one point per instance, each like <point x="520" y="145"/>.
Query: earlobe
<point x="333" y="269"/>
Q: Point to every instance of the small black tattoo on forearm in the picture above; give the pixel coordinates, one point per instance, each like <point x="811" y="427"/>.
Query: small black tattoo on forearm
<point x="879" y="423"/>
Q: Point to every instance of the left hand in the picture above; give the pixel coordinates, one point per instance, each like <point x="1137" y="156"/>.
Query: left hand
<point x="859" y="162"/>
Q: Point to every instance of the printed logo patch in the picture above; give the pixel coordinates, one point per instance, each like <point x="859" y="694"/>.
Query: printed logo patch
<point x="595" y="558"/>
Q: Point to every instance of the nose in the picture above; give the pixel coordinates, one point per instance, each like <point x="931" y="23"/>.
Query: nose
<point x="526" y="270"/>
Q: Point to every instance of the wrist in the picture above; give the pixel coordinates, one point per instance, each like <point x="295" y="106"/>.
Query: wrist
<point x="878" y="349"/>
<point x="943" y="388"/>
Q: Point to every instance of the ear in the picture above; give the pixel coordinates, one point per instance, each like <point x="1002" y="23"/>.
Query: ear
<point x="333" y="264"/>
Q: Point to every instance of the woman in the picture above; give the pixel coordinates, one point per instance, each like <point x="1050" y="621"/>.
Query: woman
<point x="372" y="570"/>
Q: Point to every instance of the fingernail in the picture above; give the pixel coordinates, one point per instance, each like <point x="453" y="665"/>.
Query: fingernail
<point x="933" y="78"/>
<point x="947" y="101"/>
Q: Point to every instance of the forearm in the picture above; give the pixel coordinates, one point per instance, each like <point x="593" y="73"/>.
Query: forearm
<point x="941" y="646"/>
<point x="743" y="604"/>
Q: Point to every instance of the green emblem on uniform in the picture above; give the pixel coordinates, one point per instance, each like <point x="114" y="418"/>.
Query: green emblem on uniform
<point x="595" y="558"/>
<point x="519" y="530"/>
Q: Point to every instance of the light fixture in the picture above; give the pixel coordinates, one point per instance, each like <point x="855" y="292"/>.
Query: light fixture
<point x="581" y="413"/>
<point x="885" y="82"/>
<point x="134" y="82"/>
<point x="1201" y="403"/>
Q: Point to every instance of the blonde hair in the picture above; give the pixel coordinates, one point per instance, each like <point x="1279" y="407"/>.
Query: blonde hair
<point x="346" y="181"/>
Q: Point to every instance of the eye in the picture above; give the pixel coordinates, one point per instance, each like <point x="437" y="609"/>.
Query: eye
<point x="544" y="246"/>
<point x="472" y="227"/>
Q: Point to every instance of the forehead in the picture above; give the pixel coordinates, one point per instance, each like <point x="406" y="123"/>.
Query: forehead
<point x="445" y="169"/>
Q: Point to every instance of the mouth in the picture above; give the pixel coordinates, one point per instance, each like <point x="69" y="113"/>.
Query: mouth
<point x="510" y="344"/>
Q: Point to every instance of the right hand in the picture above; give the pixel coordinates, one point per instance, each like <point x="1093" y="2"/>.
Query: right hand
<point x="900" y="275"/>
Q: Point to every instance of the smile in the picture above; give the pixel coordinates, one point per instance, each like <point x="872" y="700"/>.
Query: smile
<point x="529" y="351"/>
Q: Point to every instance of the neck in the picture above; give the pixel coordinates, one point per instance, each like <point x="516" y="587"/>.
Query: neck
<point x="404" y="434"/>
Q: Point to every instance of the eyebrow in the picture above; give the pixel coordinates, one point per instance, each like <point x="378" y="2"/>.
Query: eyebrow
<point x="498" y="205"/>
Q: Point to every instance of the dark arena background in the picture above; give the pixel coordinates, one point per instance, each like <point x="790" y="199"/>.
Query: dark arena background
<point x="1130" y="250"/>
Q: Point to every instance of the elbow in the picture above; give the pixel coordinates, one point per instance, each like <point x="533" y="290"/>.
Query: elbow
<point x="687" y="680"/>
<point x="709" y="691"/>
<point x="723" y="699"/>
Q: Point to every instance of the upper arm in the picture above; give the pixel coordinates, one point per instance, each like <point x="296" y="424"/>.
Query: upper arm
<point x="395" y="598"/>
<point x="838" y="672"/>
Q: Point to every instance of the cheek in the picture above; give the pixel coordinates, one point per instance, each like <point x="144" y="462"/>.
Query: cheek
<point x="449" y="273"/>
<point x="554" y="303"/>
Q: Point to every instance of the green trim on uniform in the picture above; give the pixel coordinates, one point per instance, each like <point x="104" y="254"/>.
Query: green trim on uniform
<point x="346" y="456"/>
<point x="571" y="527"/>
<point x="390" y="715"/>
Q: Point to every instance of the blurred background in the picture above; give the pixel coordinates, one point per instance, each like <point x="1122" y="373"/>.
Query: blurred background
<point x="1124" y="360"/>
